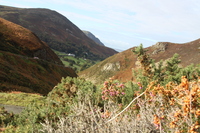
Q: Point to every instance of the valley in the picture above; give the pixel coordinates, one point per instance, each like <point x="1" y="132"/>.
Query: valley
<point x="77" y="63"/>
<point x="54" y="78"/>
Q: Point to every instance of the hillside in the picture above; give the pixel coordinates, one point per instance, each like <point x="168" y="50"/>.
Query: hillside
<point x="57" y="31"/>
<point x="26" y="63"/>
<point x="19" y="40"/>
<point x="121" y="65"/>
<point x="93" y="37"/>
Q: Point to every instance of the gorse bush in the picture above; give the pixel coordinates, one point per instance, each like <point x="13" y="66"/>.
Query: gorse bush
<point x="57" y="104"/>
<point x="163" y="109"/>
<point x="170" y="108"/>
<point x="177" y="106"/>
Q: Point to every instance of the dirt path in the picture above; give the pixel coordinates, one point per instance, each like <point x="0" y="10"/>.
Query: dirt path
<point x="13" y="108"/>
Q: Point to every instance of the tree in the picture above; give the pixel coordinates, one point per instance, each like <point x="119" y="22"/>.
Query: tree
<point x="144" y="60"/>
<point x="158" y="71"/>
<point x="172" y="70"/>
<point x="162" y="73"/>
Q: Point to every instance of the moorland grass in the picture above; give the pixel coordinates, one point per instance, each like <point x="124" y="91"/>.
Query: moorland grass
<point x="20" y="98"/>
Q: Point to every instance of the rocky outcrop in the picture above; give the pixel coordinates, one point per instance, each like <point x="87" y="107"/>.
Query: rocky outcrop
<point x="111" y="67"/>
<point x="159" y="47"/>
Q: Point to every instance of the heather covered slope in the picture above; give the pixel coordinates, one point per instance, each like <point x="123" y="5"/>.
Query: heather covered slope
<point x="19" y="40"/>
<point x="20" y="70"/>
<point x="57" y="31"/>
<point x="121" y="65"/>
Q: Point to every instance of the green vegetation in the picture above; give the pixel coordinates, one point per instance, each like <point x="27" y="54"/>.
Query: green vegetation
<point x="57" y="104"/>
<point x="76" y="105"/>
<point x="162" y="98"/>
<point x="162" y="72"/>
<point x="79" y="50"/>
<point x="77" y="63"/>
<point x="20" y="98"/>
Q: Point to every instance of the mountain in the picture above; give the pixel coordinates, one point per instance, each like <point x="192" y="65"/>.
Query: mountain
<point x="93" y="37"/>
<point x="57" y="31"/>
<point x="26" y="63"/>
<point x="24" y="42"/>
<point x="121" y="65"/>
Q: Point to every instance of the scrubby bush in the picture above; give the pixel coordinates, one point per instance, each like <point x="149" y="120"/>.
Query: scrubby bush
<point x="57" y="104"/>
<point x="170" y="108"/>
<point x="118" y="92"/>
<point x="113" y="91"/>
<point x="160" y="72"/>
<point x="163" y="109"/>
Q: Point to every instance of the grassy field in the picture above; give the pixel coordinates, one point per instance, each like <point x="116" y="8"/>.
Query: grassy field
<point x="76" y="63"/>
<point x="19" y="98"/>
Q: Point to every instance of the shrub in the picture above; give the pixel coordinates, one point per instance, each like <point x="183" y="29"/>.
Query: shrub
<point x="113" y="91"/>
<point x="162" y="73"/>
<point x="5" y="117"/>
<point x="57" y="104"/>
<point x="170" y="108"/>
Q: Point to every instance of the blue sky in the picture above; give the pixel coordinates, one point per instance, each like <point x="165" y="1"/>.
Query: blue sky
<point x="123" y="24"/>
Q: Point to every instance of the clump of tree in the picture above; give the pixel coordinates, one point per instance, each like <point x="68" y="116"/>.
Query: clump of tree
<point x="161" y="72"/>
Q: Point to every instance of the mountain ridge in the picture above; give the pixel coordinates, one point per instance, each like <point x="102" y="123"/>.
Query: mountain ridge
<point x="57" y="31"/>
<point x="120" y="65"/>
<point x="93" y="37"/>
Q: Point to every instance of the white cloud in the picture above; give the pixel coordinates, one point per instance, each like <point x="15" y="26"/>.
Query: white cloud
<point x="138" y="21"/>
<point x="79" y="17"/>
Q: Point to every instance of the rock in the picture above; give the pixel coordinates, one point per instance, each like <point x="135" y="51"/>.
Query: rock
<point x="111" y="67"/>
<point x="159" y="47"/>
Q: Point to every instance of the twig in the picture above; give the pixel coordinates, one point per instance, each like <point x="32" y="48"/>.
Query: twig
<point x="126" y="107"/>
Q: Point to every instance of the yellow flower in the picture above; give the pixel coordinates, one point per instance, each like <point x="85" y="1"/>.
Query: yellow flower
<point x="197" y="112"/>
<point x="173" y="124"/>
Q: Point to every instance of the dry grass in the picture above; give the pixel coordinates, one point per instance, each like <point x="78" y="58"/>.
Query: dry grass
<point x="88" y="118"/>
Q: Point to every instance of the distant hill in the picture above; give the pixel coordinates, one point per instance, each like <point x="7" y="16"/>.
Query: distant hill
<point x="26" y="63"/>
<point x="121" y="65"/>
<point x="93" y="37"/>
<point x="57" y="31"/>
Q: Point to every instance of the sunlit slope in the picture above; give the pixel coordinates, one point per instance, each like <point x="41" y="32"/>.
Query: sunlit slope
<point x="121" y="65"/>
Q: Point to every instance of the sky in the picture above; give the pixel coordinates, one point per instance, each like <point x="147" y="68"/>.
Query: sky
<point x="123" y="24"/>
